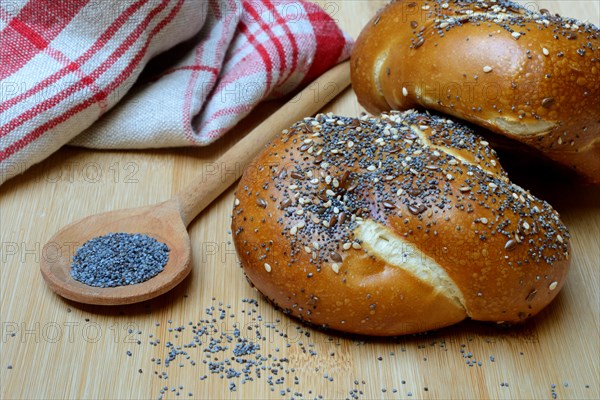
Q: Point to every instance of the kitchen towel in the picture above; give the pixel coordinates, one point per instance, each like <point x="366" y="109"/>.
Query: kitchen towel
<point x="149" y="73"/>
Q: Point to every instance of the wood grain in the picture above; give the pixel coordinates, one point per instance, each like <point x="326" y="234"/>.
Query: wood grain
<point x="65" y="350"/>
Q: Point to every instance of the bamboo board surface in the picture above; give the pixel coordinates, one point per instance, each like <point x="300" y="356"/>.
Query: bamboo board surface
<point x="52" y="348"/>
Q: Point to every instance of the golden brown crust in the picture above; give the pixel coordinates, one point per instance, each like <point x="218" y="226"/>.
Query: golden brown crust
<point x="530" y="76"/>
<point x="393" y="225"/>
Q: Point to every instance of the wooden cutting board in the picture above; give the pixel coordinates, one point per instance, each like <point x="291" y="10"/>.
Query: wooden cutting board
<point x="52" y="348"/>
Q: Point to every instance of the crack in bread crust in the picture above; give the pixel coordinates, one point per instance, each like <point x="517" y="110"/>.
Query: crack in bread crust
<point x="386" y="245"/>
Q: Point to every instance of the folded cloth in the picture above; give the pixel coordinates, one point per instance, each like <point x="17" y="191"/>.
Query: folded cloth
<point x="149" y="73"/>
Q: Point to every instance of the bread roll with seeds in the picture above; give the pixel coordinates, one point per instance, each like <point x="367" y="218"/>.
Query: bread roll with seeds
<point x="392" y="225"/>
<point x="527" y="75"/>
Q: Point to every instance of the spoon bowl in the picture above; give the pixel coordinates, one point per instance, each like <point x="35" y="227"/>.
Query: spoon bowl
<point x="161" y="222"/>
<point x="167" y="221"/>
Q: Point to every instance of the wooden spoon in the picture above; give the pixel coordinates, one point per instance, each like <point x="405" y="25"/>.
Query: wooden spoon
<point x="167" y="221"/>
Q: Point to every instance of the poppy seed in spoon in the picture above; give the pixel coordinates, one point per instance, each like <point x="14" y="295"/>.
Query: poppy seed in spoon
<point x="119" y="259"/>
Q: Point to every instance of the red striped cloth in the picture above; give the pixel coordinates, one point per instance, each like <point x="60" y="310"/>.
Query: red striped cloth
<point x="149" y="73"/>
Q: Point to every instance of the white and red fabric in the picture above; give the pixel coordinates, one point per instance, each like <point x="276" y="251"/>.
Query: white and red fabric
<point x="149" y="73"/>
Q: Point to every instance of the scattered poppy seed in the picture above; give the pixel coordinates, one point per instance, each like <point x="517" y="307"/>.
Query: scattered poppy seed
<point x="119" y="259"/>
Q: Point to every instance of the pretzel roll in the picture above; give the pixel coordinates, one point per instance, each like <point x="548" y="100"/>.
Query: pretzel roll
<point x="394" y="224"/>
<point x="527" y="75"/>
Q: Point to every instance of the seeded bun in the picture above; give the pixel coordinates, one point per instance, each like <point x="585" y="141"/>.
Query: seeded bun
<point x="392" y="225"/>
<point x="530" y="76"/>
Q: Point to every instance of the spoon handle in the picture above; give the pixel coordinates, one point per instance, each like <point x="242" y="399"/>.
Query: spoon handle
<point x="204" y="189"/>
